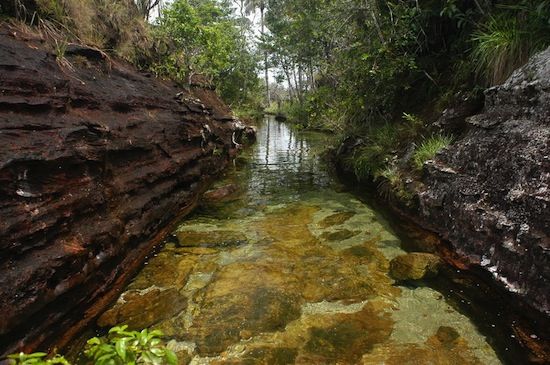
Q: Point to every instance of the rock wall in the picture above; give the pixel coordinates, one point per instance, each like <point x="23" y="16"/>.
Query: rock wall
<point x="96" y="160"/>
<point x="488" y="193"/>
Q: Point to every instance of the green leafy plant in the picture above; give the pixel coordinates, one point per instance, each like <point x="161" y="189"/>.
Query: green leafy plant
<point x="429" y="148"/>
<point x="37" y="358"/>
<point x="119" y="347"/>
<point x="129" y="347"/>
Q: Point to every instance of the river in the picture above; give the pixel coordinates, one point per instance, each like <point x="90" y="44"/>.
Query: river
<point x="291" y="268"/>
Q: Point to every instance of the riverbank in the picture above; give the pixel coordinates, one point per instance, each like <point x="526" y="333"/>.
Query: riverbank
<point x="485" y="192"/>
<point x="97" y="159"/>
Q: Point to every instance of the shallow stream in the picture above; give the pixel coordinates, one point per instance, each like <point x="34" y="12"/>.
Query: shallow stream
<point x="283" y="266"/>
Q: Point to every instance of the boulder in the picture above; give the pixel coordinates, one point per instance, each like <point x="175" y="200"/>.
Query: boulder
<point x="488" y="193"/>
<point x="414" y="266"/>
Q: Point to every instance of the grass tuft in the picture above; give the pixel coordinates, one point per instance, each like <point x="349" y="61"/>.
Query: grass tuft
<point x="507" y="40"/>
<point x="429" y="148"/>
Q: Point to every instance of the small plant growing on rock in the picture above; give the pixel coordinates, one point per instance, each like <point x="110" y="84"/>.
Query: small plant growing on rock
<point x="429" y="148"/>
<point x="120" y="347"/>
<point x="129" y="347"/>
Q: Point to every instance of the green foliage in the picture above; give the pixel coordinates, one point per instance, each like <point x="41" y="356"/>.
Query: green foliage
<point x="377" y="152"/>
<point x="37" y="358"/>
<point x="52" y="8"/>
<point x="129" y="347"/>
<point x="429" y="148"/>
<point x="120" y="347"/>
<point x="391" y="183"/>
<point x="204" y="38"/>
<point x="506" y="40"/>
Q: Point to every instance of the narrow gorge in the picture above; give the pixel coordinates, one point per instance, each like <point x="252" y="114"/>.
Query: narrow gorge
<point x="208" y="182"/>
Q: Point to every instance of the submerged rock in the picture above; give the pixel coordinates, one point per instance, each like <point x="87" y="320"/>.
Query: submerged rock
<point x="339" y="235"/>
<point x="445" y="347"/>
<point x="220" y="194"/>
<point x="218" y="238"/>
<point x="143" y="308"/>
<point x="336" y="219"/>
<point x="239" y="315"/>
<point x="414" y="266"/>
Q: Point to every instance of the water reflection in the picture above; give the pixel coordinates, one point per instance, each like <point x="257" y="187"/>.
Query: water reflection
<point x="283" y="162"/>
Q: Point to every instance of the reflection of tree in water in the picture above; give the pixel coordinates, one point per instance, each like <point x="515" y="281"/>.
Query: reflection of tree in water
<point x="283" y="164"/>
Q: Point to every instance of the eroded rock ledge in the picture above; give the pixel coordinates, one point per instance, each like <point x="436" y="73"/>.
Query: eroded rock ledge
<point x="96" y="159"/>
<point x="488" y="193"/>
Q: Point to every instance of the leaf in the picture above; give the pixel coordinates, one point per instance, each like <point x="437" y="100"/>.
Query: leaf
<point x="156" y="333"/>
<point x="154" y="342"/>
<point x="157" y="352"/>
<point x="104" y="358"/>
<point x="121" y="349"/>
<point x="93" y="341"/>
<point x="171" y="357"/>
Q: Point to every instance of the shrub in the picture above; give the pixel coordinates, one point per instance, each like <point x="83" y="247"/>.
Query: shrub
<point x="429" y="148"/>
<point x="379" y="149"/>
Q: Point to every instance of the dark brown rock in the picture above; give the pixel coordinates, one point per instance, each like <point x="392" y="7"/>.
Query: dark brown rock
<point x="453" y="119"/>
<point x="96" y="160"/>
<point x="489" y="193"/>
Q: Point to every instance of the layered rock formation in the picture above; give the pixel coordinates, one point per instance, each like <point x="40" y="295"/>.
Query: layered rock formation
<point x="488" y="193"/>
<point x="96" y="160"/>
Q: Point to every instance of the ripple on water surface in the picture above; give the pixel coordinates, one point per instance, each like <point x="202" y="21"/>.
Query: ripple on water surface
<point x="289" y="269"/>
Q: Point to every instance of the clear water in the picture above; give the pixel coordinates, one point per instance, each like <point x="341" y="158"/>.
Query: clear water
<point x="290" y="269"/>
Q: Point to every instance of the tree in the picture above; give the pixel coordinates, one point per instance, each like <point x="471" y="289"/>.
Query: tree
<point x="146" y="6"/>
<point x="251" y="6"/>
<point x="206" y="38"/>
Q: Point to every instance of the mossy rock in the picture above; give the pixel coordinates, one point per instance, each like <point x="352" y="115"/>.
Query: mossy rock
<point x="414" y="266"/>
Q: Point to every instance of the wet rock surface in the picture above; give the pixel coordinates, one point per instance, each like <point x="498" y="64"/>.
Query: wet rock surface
<point x="143" y="308"/>
<point x="489" y="194"/>
<point x="414" y="266"/>
<point x="95" y="159"/>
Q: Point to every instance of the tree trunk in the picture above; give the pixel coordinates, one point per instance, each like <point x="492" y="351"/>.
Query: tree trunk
<point x="311" y="76"/>
<point x="373" y="9"/>
<point x="262" y="20"/>
<point x="288" y="79"/>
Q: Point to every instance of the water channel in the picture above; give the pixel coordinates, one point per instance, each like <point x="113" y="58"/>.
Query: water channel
<point x="290" y="268"/>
